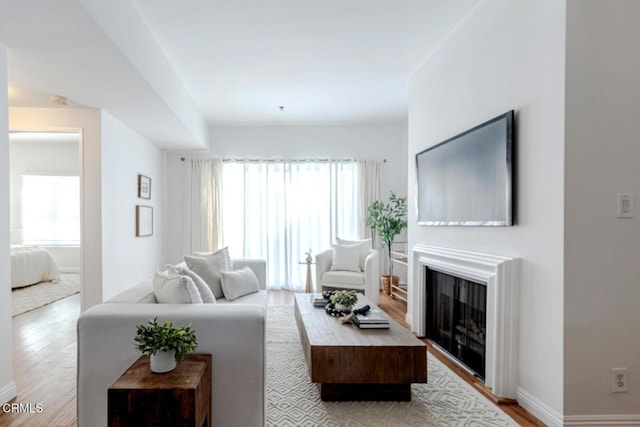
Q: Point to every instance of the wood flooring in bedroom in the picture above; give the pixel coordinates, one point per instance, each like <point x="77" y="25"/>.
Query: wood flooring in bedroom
<point x="44" y="369"/>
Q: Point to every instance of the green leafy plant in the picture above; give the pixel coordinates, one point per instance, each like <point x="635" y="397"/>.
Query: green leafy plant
<point x="154" y="337"/>
<point x="346" y="298"/>
<point x="387" y="221"/>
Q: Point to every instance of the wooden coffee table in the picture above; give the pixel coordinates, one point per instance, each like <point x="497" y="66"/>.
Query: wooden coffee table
<point x="349" y="363"/>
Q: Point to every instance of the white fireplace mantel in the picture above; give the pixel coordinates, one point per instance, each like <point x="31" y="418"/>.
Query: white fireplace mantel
<point x="501" y="274"/>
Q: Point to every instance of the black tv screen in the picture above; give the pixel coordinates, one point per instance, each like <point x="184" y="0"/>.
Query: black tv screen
<point x="467" y="179"/>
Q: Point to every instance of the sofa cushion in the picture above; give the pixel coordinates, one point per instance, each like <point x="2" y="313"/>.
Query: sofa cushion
<point x="364" y="247"/>
<point x="346" y="258"/>
<point x="256" y="298"/>
<point x="209" y="267"/>
<point x="239" y="283"/>
<point x="343" y="277"/>
<point x="170" y="287"/>
<point x="203" y="288"/>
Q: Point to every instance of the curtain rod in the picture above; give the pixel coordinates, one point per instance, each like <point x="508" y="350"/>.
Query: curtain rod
<point x="235" y="159"/>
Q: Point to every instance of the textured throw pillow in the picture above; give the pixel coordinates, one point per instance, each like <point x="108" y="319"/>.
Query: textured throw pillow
<point x="221" y="252"/>
<point x="364" y="248"/>
<point x="203" y="288"/>
<point x="169" y="287"/>
<point x="346" y="258"/>
<point x="209" y="267"/>
<point x="239" y="282"/>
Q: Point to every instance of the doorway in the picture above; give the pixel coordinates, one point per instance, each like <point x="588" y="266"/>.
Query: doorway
<point x="45" y="217"/>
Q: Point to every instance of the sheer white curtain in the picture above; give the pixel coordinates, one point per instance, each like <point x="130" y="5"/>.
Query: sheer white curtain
<point x="202" y="228"/>
<point x="278" y="210"/>
<point x="369" y="190"/>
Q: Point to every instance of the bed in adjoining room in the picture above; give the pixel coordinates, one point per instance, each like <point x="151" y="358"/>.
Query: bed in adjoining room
<point x="31" y="265"/>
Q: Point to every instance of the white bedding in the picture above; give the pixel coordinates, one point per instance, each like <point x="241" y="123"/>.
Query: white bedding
<point x="31" y="264"/>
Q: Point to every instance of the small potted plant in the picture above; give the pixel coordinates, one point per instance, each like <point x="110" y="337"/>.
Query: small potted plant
<point x="165" y="344"/>
<point x="344" y="300"/>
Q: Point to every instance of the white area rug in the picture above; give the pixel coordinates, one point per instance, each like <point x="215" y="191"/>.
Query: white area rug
<point x="292" y="400"/>
<point x="38" y="295"/>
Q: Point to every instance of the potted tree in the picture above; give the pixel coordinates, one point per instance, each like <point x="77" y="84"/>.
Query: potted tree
<point x="387" y="221"/>
<point x="165" y="344"/>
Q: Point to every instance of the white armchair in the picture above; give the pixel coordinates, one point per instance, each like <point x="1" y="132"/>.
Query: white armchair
<point x="367" y="280"/>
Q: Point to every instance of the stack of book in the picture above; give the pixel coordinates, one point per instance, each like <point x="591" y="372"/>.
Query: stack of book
<point x="372" y="319"/>
<point x="318" y="300"/>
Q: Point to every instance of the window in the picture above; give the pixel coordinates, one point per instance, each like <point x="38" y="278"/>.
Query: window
<point x="278" y="210"/>
<point x="50" y="210"/>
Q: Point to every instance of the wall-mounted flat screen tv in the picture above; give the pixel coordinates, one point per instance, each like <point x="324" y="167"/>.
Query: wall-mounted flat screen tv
<point x="467" y="180"/>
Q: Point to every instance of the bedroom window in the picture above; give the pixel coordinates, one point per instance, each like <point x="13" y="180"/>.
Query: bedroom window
<point x="50" y="210"/>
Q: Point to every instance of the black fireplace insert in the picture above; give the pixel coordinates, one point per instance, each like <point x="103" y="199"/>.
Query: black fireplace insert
<point x="456" y="318"/>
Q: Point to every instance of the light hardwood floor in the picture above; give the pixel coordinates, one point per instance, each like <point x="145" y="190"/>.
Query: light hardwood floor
<point x="44" y="365"/>
<point x="44" y="348"/>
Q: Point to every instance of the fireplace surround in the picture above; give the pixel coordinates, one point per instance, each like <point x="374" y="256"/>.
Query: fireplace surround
<point x="501" y="275"/>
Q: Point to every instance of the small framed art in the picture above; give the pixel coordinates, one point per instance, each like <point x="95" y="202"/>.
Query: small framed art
<point x="144" y="221"/>
<point x="144" y="187"/>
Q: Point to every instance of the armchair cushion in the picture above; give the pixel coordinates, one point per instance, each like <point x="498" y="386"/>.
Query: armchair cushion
<point x="343" y="277"/>
<point x="346" y="258"/>
<point x="364" y="247"/>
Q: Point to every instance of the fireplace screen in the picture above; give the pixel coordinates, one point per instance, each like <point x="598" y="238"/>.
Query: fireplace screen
<point x="456" y="318"/>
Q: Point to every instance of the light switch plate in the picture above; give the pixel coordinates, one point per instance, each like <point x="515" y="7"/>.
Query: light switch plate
<point x="625" y="205"/>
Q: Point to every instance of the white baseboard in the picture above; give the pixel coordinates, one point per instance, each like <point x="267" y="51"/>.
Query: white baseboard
<point x="69" y="269"/>
<point x="602" y="420"/>
<point x="8" y="392"/>
<point x="538" y="409"/>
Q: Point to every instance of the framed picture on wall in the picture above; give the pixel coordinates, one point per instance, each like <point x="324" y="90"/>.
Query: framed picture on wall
<point x="144" y="187"/>
<point x="144" y="221"/>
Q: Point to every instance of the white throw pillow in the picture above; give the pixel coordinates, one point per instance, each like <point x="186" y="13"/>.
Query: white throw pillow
<point x="365" y="248"/>
<point x="346" y="258"/>
<point x="209" y="268"/>
<point x="172" y="288"/>
<point x="222" y="252"/>
<point x="239" y="282"/>
<point x="203" y="288"/>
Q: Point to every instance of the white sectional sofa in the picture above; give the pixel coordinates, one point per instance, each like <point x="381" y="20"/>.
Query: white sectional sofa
<point x="232" y="332"/>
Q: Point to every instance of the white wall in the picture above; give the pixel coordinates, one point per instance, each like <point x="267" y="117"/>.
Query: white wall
<point x="508" y="55"/>
<point x="87" y="123"/>
<point x="42" y="158"/>
<point x="374" y="142"/>
<point x="602" y="267"/>
<point x="128" y="259"/>
<point x="7" y="386"/>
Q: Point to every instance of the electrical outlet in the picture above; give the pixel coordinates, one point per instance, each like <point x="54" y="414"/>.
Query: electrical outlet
<point x="619" y="380"/>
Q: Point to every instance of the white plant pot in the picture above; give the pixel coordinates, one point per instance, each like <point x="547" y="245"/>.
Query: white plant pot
<point x="163" y="361"/>
<point x="343" y="308"/>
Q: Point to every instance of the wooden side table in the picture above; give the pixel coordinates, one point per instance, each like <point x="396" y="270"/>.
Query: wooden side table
<point x="180" y="398"/>
<point x="308" y="288"/>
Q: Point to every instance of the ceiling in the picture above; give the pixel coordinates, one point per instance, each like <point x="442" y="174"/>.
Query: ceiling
<point x="172" y="68"/>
